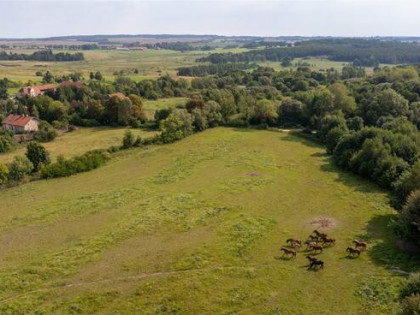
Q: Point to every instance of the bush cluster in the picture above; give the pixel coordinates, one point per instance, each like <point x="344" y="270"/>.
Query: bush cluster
<point x="86" y="162"/>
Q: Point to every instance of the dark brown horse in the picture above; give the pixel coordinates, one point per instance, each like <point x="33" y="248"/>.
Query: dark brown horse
<point x="313" y="238"/>
<point x="311" y="259"/>
<point x="319" y="234"/>
<point x="287" y="251"/>
<point x="353" y="251"/>
<point x="316" y="263"/>
<point x="316" y="248"/>
<point x="360" y="244"/>
<point x="309" y="244"/>
<point x="294" y="242"/>
<point x="328" y="241"/>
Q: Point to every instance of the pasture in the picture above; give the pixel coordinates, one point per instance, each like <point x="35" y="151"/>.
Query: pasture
<point x="80" y="141"/>
<point x="196" y="227"/>
<point x="150" y="64"/>
<point x="150" y="106"/>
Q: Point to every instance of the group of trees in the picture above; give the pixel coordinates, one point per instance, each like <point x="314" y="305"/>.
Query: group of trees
<point x="42" y="55"/>
<point x="362" y="52"/>
<point x="34" y="160"/>
<point x="212" y="69"/>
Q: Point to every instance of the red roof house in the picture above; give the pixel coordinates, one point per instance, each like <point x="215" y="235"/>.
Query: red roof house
<point x="35" y="90"/>
<point x="20" y="123"/>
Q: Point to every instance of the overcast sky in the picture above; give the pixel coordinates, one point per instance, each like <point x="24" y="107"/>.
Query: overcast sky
<point x="29" y="18"/>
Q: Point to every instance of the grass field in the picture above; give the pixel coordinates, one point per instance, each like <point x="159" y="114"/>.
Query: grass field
<point x="80" y="141"/>
<point x="150" y="64"/>
<point x="171" y="102"/>
<point x="196" y="227"/>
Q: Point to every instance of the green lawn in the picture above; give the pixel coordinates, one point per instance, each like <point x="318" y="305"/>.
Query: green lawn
<point x="171" y="102"/>
<point x="80" y="141"/>
<point x="196" y="227"/>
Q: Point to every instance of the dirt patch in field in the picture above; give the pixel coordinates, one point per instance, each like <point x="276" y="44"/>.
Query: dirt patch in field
<point x="253" y="174"/>
<point x="324" y="222"/>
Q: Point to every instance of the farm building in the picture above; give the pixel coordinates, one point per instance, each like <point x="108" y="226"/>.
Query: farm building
<point x="20" y="123"/>
<point x="76" y="84"/>
<point x="120" y="95"/>
<point x="35" y="90"/>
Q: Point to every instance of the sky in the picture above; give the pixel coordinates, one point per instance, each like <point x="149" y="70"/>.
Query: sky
<point x="35" y="19"/>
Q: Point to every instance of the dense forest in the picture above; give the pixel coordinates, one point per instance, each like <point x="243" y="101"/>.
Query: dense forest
<point x="362" y="52"/>
<point x="43" y="55"/>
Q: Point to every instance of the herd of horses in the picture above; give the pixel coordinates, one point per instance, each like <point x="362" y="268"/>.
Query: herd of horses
<point x="316" y="243"/>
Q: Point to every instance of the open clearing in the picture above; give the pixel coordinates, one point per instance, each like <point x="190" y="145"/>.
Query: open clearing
<point x="80" y="141"/>
<point x="196" y="227"/>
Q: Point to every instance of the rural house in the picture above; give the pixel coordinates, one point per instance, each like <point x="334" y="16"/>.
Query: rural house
<point x="20" y="123"/>
<point x="120" y="95"/>
<point x="35" y="90"/>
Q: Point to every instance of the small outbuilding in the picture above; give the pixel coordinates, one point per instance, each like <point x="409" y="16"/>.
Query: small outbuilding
<point x="20" y="123"/>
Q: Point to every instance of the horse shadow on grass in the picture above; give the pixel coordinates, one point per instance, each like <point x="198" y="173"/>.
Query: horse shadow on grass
<point x="284" y="257"/>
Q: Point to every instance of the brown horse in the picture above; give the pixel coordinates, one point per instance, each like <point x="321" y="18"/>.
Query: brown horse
<point x="313" y="238"/>
<point x="309" y="244"/>
<point x="294" y="242"/>
<point x="319" y="234"/>
<point x="316" y="248"/>
<point x="311" y="259"/>
<point x="316" y="263"/>
<point x="360" y="244"/>
<point x="287" y="251"/>
<point x="328" y="241"/>
<point x="353" y="251"/>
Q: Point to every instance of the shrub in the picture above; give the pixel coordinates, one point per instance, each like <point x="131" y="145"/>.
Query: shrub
<point x="128" y="140"/>
<point x="412" y="285"/>
<point x="19" y="168"/>
<point x="4" y="174"/>
<point x="411" y="305"/>
<point x="86" y="162"/>
<point x="45" y="133"/>
<point x="333" y="137"/>
<point x="7" y="141"/>
<point x="408" y="224"/>
<point x="178" y="125"/>
<point x="37" y="154"/>
<point x="407" y="182"/>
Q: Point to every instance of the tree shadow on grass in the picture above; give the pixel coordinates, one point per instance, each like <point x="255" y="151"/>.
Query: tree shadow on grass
<point x="327" y="165"/>
<point x="384" y="251"/>
<point x="299" y="137"/>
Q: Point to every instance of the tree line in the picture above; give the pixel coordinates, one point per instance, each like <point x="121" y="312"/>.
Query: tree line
<point x="362" y="52"/>
<point x="42" y="55"/>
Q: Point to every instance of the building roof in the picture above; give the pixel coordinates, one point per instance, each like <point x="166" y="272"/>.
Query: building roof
<point x="17" y="120"/>
<point x="38" y="88"/>
<point x="120" y="95"/>
<point x="77" y="84"/>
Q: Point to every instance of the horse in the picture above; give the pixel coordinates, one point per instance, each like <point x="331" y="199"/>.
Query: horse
<point x="294" y="242"/>
<point x="316" y="248"/>
<point x="309" y="244"/>
<point x="313" y="238"/>
<point x="287" y="251"/>
<point x="316" y="263"/>
<point x="353" y="251"/>
<point x="319" y="234"/>
<point x="328" y="241"/>
<point x="360" y="244"/>
<point x="311" y="259"/>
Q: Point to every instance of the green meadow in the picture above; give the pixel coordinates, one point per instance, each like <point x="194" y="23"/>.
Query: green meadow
<point x="196" y="227"/>
<point x="80" y="141"/>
